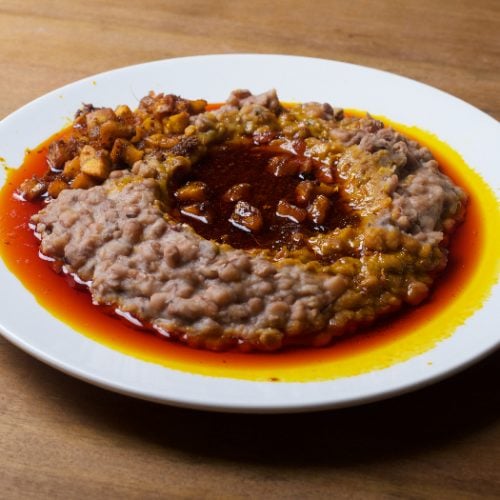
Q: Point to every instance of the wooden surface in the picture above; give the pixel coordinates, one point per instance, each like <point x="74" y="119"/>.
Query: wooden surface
<point x="61" y="438"/>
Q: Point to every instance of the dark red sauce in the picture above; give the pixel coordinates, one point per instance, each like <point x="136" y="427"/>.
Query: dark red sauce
<point x="272" y="175"/>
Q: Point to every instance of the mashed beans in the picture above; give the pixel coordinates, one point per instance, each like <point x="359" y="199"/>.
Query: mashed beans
<point x="253" y="226"/>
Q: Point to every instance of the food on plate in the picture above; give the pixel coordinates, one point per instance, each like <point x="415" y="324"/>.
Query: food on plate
<point x="254" y="225"/>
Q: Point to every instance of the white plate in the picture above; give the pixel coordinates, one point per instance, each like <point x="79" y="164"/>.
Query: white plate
<point x="465" y="128"/>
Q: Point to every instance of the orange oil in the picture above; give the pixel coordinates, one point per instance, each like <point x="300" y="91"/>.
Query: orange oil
<point x="472" y="270"/>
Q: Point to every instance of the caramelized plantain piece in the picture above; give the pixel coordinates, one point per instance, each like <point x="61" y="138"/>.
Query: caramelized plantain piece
<point x="125" y="152"/>
<point x="60" y="152"/>
<point x="111" y="130"/>
<point x="123" y="112"/>
<point x="56" y="186"/>
<point x="237" y="192"/>
<point x="247" y="217"/>
<point x="72" y="168"/>
<point x="95" y="162"/>
<point x="83" y="181"/>
<point x="98" y="117"/>
<point x="197" y="106"/>
<point x="317" y="211"/>
<point x="33" y="188"/>
<point x="304" y="191"/>
<point x="192" y="191"/>
<point x="175" y="124"/>
<point x="289" y="211"/>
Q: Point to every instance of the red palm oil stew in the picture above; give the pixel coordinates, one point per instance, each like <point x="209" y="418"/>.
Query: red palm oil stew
<point x="457" y="293"/>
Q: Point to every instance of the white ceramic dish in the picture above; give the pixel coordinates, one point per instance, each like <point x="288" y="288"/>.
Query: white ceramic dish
<point x="212" y="77"/>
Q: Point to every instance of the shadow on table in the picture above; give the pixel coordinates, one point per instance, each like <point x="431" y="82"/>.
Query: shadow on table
<point x="413" y="423"/>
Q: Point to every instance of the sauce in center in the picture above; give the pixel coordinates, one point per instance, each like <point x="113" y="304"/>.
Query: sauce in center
<point x="268" y="180"/>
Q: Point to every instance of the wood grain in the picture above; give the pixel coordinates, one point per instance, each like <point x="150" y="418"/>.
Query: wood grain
<point x="61" y="438"/>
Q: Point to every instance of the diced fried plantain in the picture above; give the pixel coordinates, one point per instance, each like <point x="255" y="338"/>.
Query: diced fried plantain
<point x="192" y="191"/>
<point x="199" y="212"/>
<point x="289" y="211"/>
<point x="83" y="181"/>
<point x="247" y="217"/>
<point x="72" y="168"/>
<point x="59" y="152"/>
<point x="318" y="209"/>
<point x="304" y="191"/>
<point x="176" y="124"/>
<point x="237" y="192"/>
<point x="112" y="130"/>
<point x="32" y="188"/>
<point x="197" y="106"/>
<point x="99" y="116"/>
<point x="123" y="112"/>
<point x="161" y="141"/>
<point x="281" y="166"/>
<point x="125" y="152"/>
<point x="95" y="162"/>
<point x="56" y="186"/>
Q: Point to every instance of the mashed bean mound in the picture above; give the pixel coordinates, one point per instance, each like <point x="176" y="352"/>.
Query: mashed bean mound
<point x="251" y="226"/>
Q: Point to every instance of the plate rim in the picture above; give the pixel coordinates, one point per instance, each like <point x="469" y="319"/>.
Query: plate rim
<point x="247" y="55"/>
<point x="397" y="389"/>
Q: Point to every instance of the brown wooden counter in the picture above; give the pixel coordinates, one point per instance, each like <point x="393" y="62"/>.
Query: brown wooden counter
<point x="61" y="438"/>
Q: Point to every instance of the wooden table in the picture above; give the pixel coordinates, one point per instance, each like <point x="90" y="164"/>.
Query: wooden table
<point x="61" y="438"/>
